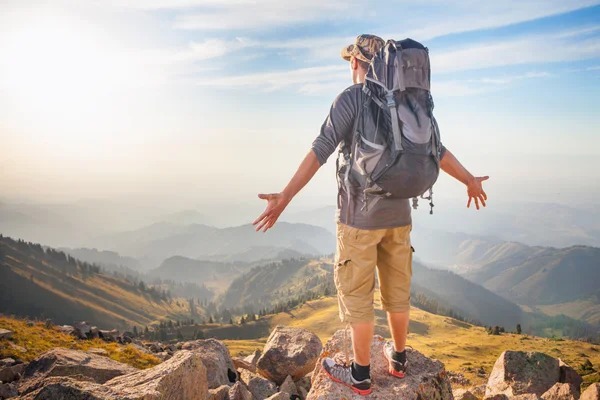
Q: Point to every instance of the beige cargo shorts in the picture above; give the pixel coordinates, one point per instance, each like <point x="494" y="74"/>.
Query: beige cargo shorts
<point x="359" y="251"/>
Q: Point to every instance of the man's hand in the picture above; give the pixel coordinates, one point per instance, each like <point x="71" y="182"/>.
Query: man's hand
<point x="475" y="191"/>
<point x="276" y="203"/>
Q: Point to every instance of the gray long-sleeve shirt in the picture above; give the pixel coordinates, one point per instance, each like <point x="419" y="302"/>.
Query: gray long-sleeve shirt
<point x="384" y="213"/>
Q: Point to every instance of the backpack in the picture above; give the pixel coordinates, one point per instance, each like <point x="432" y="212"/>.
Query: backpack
<point x="401" y="157"/>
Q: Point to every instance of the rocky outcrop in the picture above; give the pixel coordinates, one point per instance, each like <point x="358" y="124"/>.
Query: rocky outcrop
<point x="561" y="391"/>
<point x="181" y="378"/>
<point x="288" y="386"/>
<point x="519" y="373"/>
<point x="427" y="378"/>
<point x="239" y="363"/>
<point x="11" y="373"/>
<point x="260" y="387"/>
<point x="8" y="390"/>
<point x="65" y="362"/>
<point x="217" y="360"/>
<point x="289" y="351"/>
<point x="253" y="358"/>
<point x="82" y="329"/>
<point x="592" y="392"/>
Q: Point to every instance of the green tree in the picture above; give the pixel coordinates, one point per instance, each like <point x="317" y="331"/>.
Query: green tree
<point x="135" y="331"/>
<point x="519" y="330"/>
<point x="210" y="320"/>
<point x="179" y="335"/>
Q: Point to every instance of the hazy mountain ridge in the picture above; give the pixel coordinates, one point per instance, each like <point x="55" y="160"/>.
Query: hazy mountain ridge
<point x="42" y="283"/>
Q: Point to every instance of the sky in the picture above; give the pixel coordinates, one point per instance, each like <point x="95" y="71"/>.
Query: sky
<point x="179" y="102"/>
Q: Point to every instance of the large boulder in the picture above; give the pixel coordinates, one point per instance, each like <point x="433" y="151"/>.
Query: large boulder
<point x="260" y="387"/>
<point x="289" y="351"/>
<point x="183" y="377"/>
<point x="520" y="373"/>
<point x="426" y="378"/>
<point x="561" y="391"/>
<point x="71" y="388"/>
<point x="11" y="373"/>
<point x="66" y="362"/>
<point x="592" y="392"/>
<point x="288" y="386"/>
<point x="82" y="329"/>
<point x="253" y="358"/>
<point x="217" y="360"/>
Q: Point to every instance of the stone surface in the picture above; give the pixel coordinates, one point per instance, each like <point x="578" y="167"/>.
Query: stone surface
<point x="7" y="362"/>
<point x="220" y="393"/>
<point x="98" y="352"/>
<point x="463" y="394"/>
<point x="5" y="334"/>
<point x="82" y="329"/>
<point x="69" y="388"/>
<point x="183" y="377"/>
<point x="426" y="378"/>
<point x="592" y="392"/>
<point x="8" y="390"/>
<point x="68" y="329"/>
<point x="288" y="386"/>
<point x="239" y="363"/>
<point x="304" y="383"/>
<point x="11" y="373"/>
<point x="568" y="375"/>
<point x="519" y="373"/>
<point x="239" y="392"/>
<point x="65" y="362"/>
<point x="217" y="360"/>
<point x="253" y="358"/>
<point x="478" y="391"/>
<point x="561" y="391"/>
<point x="280" y="396"/>
<point x="260" y="387"/>
<point x="289" y="351"/>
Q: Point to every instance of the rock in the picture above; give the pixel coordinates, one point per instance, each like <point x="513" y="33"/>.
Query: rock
<point x="68" y="329"/>
<point x="426" y="378"/>
<point x="82" y="329"/>
<point x="239" y="392"/>
<point x="303" y="393"/>
<point x="11" y="373"/>
<point x="568" y="375"/>
<point x="280" y="396"/>
<point x="7" y="362"/>
<point x="8" y="390"/>
<point x="69" y="388"/>
<point x="163" y="356"/>
<point x="16" y="347"/>
<point x="94" y="333"/>
<point x="5" y="334"/>
<point x="289" y="351"/>
<point x="239" y="363"/>
<point x="288" y="386"/>
<point x="217" y="360"/>
<point x="109" y="336"/>
<point x="478" y="391"/>
<point x="182" y="377"/>
<point x="463" y="394"/>
<point x="260" y="387"/>
<point x="304" y="383"/>
<point x="220" y="393"/>
<point x="98" y="352"/>
<point x="253" y="358"/>
<point x="561" y="391"/>
<point x="592" y="392"/>
<point x="65" y="362"/>
<point x="519" y="373"/>
<point x="48" y="323"/>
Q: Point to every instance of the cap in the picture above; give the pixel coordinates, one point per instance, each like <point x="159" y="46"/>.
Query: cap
<point x="364" y="48"/>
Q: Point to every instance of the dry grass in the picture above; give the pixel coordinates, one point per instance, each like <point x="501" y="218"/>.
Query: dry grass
<point x="37" y="339"/>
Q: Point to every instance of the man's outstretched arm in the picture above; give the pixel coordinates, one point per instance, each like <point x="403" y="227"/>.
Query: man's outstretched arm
<point x="277" y="202"/>
<point x="454" y="168"/>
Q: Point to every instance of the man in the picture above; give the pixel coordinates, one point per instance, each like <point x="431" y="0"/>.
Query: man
<point x="368" y="235"/>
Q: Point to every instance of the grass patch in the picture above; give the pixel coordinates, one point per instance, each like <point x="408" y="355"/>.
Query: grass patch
<point x="38" y="339"/>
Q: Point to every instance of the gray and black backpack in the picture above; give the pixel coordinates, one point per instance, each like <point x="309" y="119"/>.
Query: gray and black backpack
<point x="395" y="147"/>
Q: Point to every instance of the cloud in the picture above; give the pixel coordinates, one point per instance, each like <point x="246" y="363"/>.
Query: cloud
<point x="563" y="46"/>
<point x="509" y="79"/>
<point x="305" y="80"/>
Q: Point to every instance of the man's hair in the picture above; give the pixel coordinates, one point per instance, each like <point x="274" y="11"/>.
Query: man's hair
<point x="364" y="65"/>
